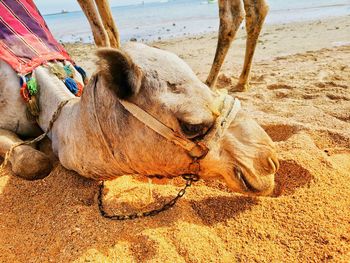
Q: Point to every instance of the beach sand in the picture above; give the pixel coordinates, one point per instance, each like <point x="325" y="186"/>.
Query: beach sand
<point x="300" y="94"/>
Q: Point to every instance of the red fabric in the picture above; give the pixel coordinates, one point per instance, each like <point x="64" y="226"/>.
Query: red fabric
<point x="25" y="40"/>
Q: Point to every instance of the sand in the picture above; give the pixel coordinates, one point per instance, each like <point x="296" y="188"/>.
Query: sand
<point x="300" y="94"/>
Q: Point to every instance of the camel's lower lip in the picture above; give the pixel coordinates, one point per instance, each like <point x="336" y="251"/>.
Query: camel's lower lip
<point x="246" y="185"/>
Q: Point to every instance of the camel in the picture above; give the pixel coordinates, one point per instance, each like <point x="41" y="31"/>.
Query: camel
<point x="231" y="14"/>
<point x="97" y="136"/>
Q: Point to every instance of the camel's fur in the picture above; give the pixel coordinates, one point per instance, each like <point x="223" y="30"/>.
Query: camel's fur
<point x="231" y="14"/>
<point x="156" y="81"/>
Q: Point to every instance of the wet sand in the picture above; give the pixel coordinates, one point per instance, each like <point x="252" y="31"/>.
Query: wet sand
<point x="300" y="94"/>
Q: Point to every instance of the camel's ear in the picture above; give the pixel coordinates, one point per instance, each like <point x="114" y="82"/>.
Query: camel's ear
<point x="121" y="74"/>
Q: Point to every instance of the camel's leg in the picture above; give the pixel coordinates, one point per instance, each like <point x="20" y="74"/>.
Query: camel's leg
<point x="231" y="16"/>
<point x="108" y="22"/>
<point x="98" y="31"/>
<point x="26" y="162"/>
<point x="256" y="11"/>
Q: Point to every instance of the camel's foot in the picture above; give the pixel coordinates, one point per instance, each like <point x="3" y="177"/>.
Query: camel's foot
<point x="30" y="164"/>
<point x="242" y="87"/>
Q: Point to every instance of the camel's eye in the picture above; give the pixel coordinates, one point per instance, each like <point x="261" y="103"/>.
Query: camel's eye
<point x="193" y="130"/>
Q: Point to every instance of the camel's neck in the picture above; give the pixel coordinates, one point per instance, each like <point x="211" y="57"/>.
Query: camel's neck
<point x="52" y="93"/>
<point x="76" y="135"/>
<point x="91" y="135"/>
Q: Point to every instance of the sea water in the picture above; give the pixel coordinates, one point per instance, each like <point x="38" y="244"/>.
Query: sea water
<point x="164" y="19"/>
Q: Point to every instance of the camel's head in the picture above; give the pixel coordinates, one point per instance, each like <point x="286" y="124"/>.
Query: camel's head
<point x="163" y="85"/>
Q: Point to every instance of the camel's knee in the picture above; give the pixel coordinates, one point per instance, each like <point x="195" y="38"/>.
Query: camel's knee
<point x="7" y="139"/>
<point x="256" y="11"/>
<point x="100" y="37"/>
<point x="231" y="16"/>
<point x="29" y="164"/>
<point x="26" y="162"/>
<point x="264" y="10"/>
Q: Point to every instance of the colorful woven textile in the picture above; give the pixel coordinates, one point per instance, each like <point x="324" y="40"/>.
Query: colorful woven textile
<point x="25" y="40"/>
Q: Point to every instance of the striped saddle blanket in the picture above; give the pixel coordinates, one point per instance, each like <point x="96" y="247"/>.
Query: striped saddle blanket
<point x="25" y="40"/>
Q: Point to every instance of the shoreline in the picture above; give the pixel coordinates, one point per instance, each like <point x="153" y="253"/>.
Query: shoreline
<point x="275" y="41"/>
<point x="155" y="2"/>
<point x="173" y="20"/>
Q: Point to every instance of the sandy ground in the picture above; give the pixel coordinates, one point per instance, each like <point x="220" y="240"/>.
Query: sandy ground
<point x="300" y="94"/>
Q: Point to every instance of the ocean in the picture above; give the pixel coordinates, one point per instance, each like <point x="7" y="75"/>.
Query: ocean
<point x="164" y="19"/>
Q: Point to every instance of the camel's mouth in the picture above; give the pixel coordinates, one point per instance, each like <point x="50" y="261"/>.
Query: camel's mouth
<point x="246" y="186"/>
<point x="253" y="185"/>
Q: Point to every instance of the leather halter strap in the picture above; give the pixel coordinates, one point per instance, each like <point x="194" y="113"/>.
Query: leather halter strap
<point x="197" y="150"/>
